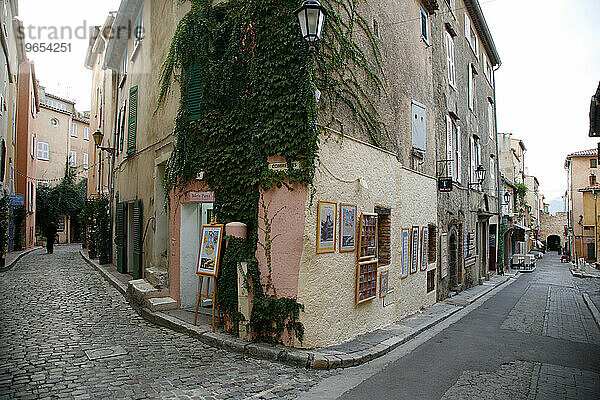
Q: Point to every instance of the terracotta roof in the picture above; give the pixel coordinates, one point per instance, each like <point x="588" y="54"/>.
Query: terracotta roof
<point x="583" y="153"/>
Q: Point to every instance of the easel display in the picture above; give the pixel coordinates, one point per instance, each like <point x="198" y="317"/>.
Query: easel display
<point x="208" y="264"/>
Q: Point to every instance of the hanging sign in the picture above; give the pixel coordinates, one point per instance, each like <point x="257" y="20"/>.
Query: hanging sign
<point x="445" y="184"/>
<point x="210" y="249"/>
<point x="201" y="197"/>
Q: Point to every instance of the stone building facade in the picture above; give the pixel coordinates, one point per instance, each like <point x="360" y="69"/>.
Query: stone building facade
<point x="465" y="59"/>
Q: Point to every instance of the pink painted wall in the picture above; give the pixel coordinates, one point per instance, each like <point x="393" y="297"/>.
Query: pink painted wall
<point x="178" y="197"/>
<point x="286" y="209"/>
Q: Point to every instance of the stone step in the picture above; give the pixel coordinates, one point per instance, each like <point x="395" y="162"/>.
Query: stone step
<point x="160" y="303"/>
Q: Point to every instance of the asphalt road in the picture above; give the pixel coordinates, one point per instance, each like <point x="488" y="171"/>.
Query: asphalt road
<point x="535" y="339"/>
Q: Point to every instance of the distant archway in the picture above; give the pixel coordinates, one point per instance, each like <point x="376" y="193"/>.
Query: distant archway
<point x="553" y="242"/>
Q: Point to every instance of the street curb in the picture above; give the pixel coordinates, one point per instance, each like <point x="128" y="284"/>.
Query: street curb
<point x="579" y="274"/>
<point x="120" y="286"/>
<point x="17" y="258"/>
<point x="311" y="359"/>
<point x="592" y="307"/>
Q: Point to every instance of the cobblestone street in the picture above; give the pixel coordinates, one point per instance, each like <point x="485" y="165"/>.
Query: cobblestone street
<point x="56" y="307"/>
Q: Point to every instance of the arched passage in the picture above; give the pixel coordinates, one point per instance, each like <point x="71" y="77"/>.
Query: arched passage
<point x="553" y="242"/>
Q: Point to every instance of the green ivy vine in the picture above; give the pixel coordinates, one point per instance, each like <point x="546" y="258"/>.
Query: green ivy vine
<point x="258" y="100"/>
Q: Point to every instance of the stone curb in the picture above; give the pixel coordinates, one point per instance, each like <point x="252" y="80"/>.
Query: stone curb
<point x="579" y="274"/>
<point x="120" y="286"/>
<point x="17" y="258"/>
<point x="592" y="307"/>
<point x="312" y="359"/>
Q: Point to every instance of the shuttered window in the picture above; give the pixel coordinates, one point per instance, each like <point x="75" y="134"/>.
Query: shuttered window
<point x="194" y="93"/>
<point x="120" y="237"/>
<point x="133" y="106"/>
<point x="432" y="245"/>
<point x="419" y="126"/>
<point x="450" y="59"/>
<point x="453" y="150"/>
<point x="138" y="225"/>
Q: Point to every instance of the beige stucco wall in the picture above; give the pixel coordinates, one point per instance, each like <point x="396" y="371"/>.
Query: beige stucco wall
<point x="327" y="282"/>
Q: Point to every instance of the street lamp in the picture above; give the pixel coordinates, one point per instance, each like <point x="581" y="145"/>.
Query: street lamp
<point x="98" y="136"/>
<point x="479" y="175"/>
<point x="506" y="199"/>
<point x="311" y="16"/>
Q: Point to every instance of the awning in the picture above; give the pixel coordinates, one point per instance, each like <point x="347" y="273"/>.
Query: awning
<point x="519" y="226"/>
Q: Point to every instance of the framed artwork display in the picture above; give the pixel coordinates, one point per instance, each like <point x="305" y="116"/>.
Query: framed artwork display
<point x="414" y="250"/>
<point x="210" y="250"/>
<point x="424" y="247"/>
<point x="367" y="245"/>
<point x="444" y="250"/>
<point x="347" y="227"/>
<point x="366" y="281"/>
<point x="326" y="217"/>
<point x="383" y="283"/>
<point x="405" y="251"/>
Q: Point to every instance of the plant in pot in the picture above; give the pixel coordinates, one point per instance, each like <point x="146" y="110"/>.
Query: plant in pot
<point x="103" y="230"/>
<point x="92" y="230"/>
<point x="3" y="229"/>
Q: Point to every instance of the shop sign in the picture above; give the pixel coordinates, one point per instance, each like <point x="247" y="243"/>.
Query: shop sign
<point x="201" y="197"/>
<point x="282" y="166"/>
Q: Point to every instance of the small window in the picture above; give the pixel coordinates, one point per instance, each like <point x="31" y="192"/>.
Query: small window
<point x="491" y="120"/>
<point x="471" y="87"/>
<point x="384" y="226"/>
<point x="73" y="129"/>
<point x="73" y="159"/>
<point x="53" y="122"/>
<point x="43" y="151"/>
<point x="430" y="280"/>
<point x="86" y="133"/>
<point x="593" y="162"/>
<point x="424" y="25"/>
<point x="85" y="160"/>
<point x="592" y="180"/>
<point x="450" y="59"/>
<point x="419" y="123"/>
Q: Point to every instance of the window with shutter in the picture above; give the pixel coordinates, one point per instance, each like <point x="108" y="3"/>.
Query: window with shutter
<point x="471" y="88"/>
<point x="491" y="120"/>
<point x="419" y="123"/>
<point x="456" y="129"/>
<point x="449" y="151"/>
<point x="120" y="237"/>
<point x="138" y="225"/>
<point x="194" y="93"/>
<point x="450" y="59"/>
<point x="431" y="251"/>
<point x="133" y="105"/>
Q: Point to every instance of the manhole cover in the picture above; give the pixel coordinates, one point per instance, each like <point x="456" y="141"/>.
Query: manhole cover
<point x="105" y="352"/>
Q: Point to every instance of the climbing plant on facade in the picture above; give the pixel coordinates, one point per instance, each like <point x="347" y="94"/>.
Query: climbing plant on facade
<point x="248" y="92"/>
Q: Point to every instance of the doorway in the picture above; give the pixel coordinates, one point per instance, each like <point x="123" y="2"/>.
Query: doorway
<point x="493" y="252"/>
<point x="193" y="216"/>
<point x="553" y="242"/>
<point x="453" y="245"/>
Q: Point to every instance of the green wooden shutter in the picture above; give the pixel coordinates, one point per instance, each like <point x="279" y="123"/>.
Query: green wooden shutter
<point x="138" y="222"/>
<point x="133" y="106"/>
<point x="194" y="93"/>
<point x="120" y="238"/>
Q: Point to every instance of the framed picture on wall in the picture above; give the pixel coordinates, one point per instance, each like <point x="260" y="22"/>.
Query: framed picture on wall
<point x="424" y="247"/>
<point x="414" y="250"/>
<point x="405" y="251"/>
<point x="367" y="244"/>
<point x="347" y="227"/>
<point x="326" y="218"/>
<point x="444" y="250"/>
<point x="210" y="250"/>
<point x="383" y="283"/>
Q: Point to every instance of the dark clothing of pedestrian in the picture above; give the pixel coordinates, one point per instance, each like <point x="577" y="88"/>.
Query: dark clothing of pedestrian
<point x="50" y="234"/>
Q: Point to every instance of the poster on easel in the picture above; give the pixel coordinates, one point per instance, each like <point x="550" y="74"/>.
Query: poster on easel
<point x="210" y="249"/>
<point x="444" y="250"/>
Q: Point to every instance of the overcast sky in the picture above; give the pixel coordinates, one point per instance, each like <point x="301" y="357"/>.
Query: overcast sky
<point x="550" y="51"/>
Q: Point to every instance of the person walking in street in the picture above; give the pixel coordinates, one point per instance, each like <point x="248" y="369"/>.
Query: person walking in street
<point x="50" y="234"/>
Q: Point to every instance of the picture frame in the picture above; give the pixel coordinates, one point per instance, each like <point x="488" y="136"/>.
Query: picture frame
<point x="424" y="247"/>
<point x="366" y="280"/>
<point x="383" y="283"/>
<point x="211" y="237"/>
<point x="326" y="223"/>
<point x="405" y="252"/>
<point x="414" y="249"/>
<point x="367" y="234"/>
<point x="347" y="227"/>
<point x="444" y="257"/>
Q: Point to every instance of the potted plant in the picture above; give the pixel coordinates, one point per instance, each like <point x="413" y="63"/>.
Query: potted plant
<point x="92" y="230"/>
<point x="103" y="230"/>
<point x="3" y="229"/>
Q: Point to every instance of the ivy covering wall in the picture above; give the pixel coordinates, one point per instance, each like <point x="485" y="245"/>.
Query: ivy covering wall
<point x="248" y="89"/>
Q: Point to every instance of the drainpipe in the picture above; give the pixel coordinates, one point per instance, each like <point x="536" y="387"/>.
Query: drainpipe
<point x="497" y="171"/>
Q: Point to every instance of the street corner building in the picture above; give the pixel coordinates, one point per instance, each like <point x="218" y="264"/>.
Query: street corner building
<point x="337" y="171"/>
